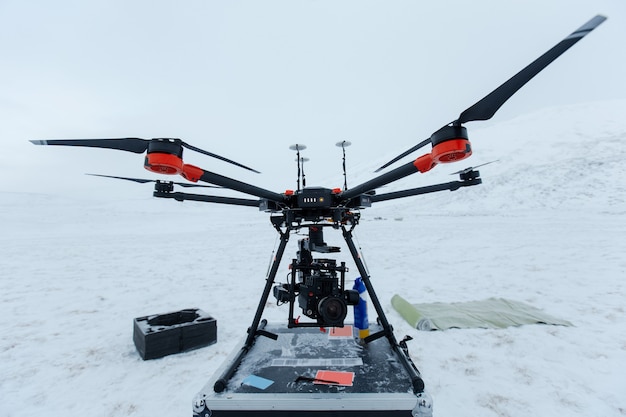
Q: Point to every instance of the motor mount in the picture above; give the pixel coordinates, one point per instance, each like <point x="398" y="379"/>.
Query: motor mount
<point x="165" y="156"/>
<point x="450" y="144"/>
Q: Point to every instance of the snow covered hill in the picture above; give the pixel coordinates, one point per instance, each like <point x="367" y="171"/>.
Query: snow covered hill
<point x="547" y="227"/>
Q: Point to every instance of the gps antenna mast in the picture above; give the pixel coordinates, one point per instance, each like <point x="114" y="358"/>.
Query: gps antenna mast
<point x="343" y="144"/>
<point x="302" y="161"/>
<point x="297" y="147"/>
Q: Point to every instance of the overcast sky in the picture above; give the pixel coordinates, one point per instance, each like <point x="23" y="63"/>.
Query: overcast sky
<point x="246" y="79"/>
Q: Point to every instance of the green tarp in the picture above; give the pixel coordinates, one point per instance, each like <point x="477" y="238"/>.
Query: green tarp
<point x="490" y="313"/>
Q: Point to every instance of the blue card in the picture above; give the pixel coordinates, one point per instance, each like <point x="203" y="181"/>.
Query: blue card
<point x="257" y="382"/>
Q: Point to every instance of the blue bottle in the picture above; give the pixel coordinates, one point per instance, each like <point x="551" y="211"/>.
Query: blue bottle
<point x="360" y="310"/>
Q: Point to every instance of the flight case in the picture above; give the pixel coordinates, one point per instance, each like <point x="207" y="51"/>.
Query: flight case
<point x="310" y="372"/>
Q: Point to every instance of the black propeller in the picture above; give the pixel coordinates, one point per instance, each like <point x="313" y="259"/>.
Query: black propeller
<point x="485" y="108"/>
<point x="135" y="145"/>
<point x="468" y="169"/>
<point x="145" y="181"/>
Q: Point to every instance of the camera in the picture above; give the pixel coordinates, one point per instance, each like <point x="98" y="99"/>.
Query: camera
<point x="321" y="296"/>
<point x="320" y="287"/>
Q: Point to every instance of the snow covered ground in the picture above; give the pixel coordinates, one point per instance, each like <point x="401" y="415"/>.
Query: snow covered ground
<point x="546" y="227"/>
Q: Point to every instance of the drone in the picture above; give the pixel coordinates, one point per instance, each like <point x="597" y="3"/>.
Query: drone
<point x="317" y="284"/>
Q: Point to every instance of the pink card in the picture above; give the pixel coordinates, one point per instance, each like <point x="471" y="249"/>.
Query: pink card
<point x="334" y="378"/>
<point x="341" y="332"/>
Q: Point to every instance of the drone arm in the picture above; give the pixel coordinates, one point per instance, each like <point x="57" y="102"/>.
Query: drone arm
<point x="405" y="153"/>
<point x="451" y="186"/>
<point x="386" y="178"/>
<point x="422" y="164"/>
<point x="194" y="174"/>
<point x="208" y="198"/>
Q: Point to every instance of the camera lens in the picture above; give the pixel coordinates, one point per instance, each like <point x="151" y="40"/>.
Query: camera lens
<point x="333" y="311"/>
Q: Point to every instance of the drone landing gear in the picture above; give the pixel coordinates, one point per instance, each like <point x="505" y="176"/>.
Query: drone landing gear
<point x="256" y="329"/>
<point x="387" y="329"/>
<point x="258" y="325"/>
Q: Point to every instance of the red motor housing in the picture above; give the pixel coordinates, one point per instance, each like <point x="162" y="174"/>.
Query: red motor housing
<point x="450" y="144"/>
<point x="165" y="156"/>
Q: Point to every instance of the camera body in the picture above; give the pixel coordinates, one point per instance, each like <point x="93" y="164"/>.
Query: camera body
<point x="321" y="296"/>
<point x="320" y="286"/>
